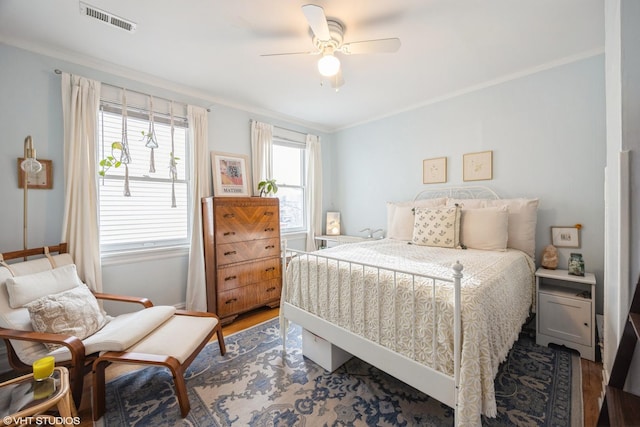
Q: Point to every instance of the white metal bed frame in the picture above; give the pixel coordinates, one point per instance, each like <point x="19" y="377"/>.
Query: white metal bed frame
<point x="430" y="381"/>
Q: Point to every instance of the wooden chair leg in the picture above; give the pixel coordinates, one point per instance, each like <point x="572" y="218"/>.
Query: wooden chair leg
<point x="181" y="391"/>
<point x="223" y="348"/>
<point x="98" y="388"/>
<point x="76" y="377"/>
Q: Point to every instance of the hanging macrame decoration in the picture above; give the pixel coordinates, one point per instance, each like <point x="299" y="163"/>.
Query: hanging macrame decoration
<point x="173" y="169"/>
<point x="125" y="156"/>
<point x="150" y="138"/>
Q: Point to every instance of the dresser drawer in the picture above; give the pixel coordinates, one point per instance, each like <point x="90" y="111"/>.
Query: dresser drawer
<point x="565" y="318"/>
<point x="233" y="215"/>
<point x="237" y="300"/>
<point x="251" y="272"/>
<point x="244" y="251"/>
<point x="269" y="290"/>
<point x="247" y="297"/>
<point x="230" y="233"/>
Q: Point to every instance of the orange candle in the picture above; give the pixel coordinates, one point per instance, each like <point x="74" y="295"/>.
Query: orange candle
<point x="43" y="368"/>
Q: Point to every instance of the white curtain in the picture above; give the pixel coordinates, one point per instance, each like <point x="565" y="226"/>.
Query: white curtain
<point x="80" y="103"/>
<point x="196" y="299"/>
<point x="314" y="190"/>
<point x="261" y="153"/>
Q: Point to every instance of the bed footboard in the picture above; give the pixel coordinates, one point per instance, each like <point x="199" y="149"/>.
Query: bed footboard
<point x="340" y="301"/>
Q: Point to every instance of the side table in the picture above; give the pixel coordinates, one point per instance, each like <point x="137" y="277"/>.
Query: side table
<point x="25" y="400"/>
<point x="566" y="310"/>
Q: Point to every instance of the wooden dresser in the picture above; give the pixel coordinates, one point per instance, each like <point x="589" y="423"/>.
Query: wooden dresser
<point x="242" y="254"/>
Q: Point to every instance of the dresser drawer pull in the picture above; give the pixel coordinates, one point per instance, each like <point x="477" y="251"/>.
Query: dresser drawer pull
<point x="231" y="301"/>
<point x="229" y="215"/>
<point x="270" y="247"/>
<point x="230" y="278"/>
<point x="268" y="214"/>
<point x="273" y="288"/>
<point x="230" y="253"/>
<point x="269" y="269"/>
<point x="230" y="233"/>
<point x="269" y="229"/>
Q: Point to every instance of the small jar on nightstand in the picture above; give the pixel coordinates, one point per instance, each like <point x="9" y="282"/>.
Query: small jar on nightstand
<point x="565" y="306"/>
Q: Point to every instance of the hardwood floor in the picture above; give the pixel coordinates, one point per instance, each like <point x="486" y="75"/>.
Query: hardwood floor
<point x="591" y="372"/>
<point x="591" y="391"/>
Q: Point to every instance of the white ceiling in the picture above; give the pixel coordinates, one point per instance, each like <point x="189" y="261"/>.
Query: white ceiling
<point x="213" y="47"/>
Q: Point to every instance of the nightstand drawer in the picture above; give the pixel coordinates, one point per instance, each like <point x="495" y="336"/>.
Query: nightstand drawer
<point x="565" y="318"/>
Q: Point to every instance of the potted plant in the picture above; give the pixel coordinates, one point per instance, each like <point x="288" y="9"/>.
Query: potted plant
<point x="267" y="187"/>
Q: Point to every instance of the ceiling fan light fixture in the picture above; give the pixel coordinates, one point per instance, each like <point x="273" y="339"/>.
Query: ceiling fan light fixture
<point x="328" y="65"/>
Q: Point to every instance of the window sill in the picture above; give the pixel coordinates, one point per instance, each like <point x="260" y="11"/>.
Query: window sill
<point x="294" y="235"/>
<point x="141" y="255"/>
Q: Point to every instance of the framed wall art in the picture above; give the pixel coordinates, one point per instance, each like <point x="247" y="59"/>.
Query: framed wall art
<point x="231" y="176"/>
<point x="565" y="237"/>
<point x="434" y="171"/>
<point x="477" y="166"/>
<point x="41" y="180"/>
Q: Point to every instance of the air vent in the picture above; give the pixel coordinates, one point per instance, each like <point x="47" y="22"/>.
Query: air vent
<point x="106" y="17"/>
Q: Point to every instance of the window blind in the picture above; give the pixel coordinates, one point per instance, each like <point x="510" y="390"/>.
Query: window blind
<point x="145" y="219"/>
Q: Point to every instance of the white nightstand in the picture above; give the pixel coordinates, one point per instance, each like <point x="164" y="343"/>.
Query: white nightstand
<point x="326" y="241"/>
<point x="566" y="310"/>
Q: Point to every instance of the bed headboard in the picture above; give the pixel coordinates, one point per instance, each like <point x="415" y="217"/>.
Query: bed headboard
<point x="470" y="192"/>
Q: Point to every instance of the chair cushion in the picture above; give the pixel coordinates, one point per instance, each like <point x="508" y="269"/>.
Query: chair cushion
<point x="124" y="331"/>
<point x="173" y="331"/>
<point x="18" y="318"/>
<point x="74" y="312"/>
<point x="27" y="288"/>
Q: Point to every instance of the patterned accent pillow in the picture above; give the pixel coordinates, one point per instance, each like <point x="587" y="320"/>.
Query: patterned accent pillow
<point x="400" y="216"/>
<point x="74" y="312"/>
<point x="437" y="227"/>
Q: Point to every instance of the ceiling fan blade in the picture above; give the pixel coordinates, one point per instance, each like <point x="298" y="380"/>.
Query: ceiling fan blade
<point x="371" y="46"/>
<point x="291" y="53"/>
<point x="317" y="21"/>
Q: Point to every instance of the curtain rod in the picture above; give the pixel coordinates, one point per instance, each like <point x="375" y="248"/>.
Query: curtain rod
<point x="57" y="71"/>
<point x="290" y="130"/>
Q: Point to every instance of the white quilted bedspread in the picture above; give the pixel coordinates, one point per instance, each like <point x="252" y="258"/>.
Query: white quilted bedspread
<point x="497" y="293"/>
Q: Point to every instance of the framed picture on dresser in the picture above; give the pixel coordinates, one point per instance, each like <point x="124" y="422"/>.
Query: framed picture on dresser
<point x="231" y="176"/>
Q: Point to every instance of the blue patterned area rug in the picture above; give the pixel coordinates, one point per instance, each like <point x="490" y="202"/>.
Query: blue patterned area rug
<point x="253" y="386"/>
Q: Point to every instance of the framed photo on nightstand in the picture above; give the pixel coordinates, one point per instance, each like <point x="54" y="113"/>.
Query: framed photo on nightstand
<point x="565" y="237"/>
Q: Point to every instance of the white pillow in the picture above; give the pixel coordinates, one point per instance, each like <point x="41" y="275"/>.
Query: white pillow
<point x="72" y="312"/>
<point x="485" y="228"/>
<point x="437" y="227"/>
<point x="400" y="216"/>
<point x="27" y="288"/>
<point x="468" y="203"/>
<point x="523" y="216"/>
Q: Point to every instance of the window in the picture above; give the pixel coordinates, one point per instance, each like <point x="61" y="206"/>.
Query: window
<point x="289" y="172"/>
<point x="145" y="219"/>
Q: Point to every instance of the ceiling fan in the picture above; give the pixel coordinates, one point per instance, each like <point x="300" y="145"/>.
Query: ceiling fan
<point x="328" y="40"/>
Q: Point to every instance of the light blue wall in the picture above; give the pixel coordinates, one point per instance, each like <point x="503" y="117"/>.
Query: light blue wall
<point x="30" y="94"/>
<point x="547" y="133"/>
<point x="546" y="130"/>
